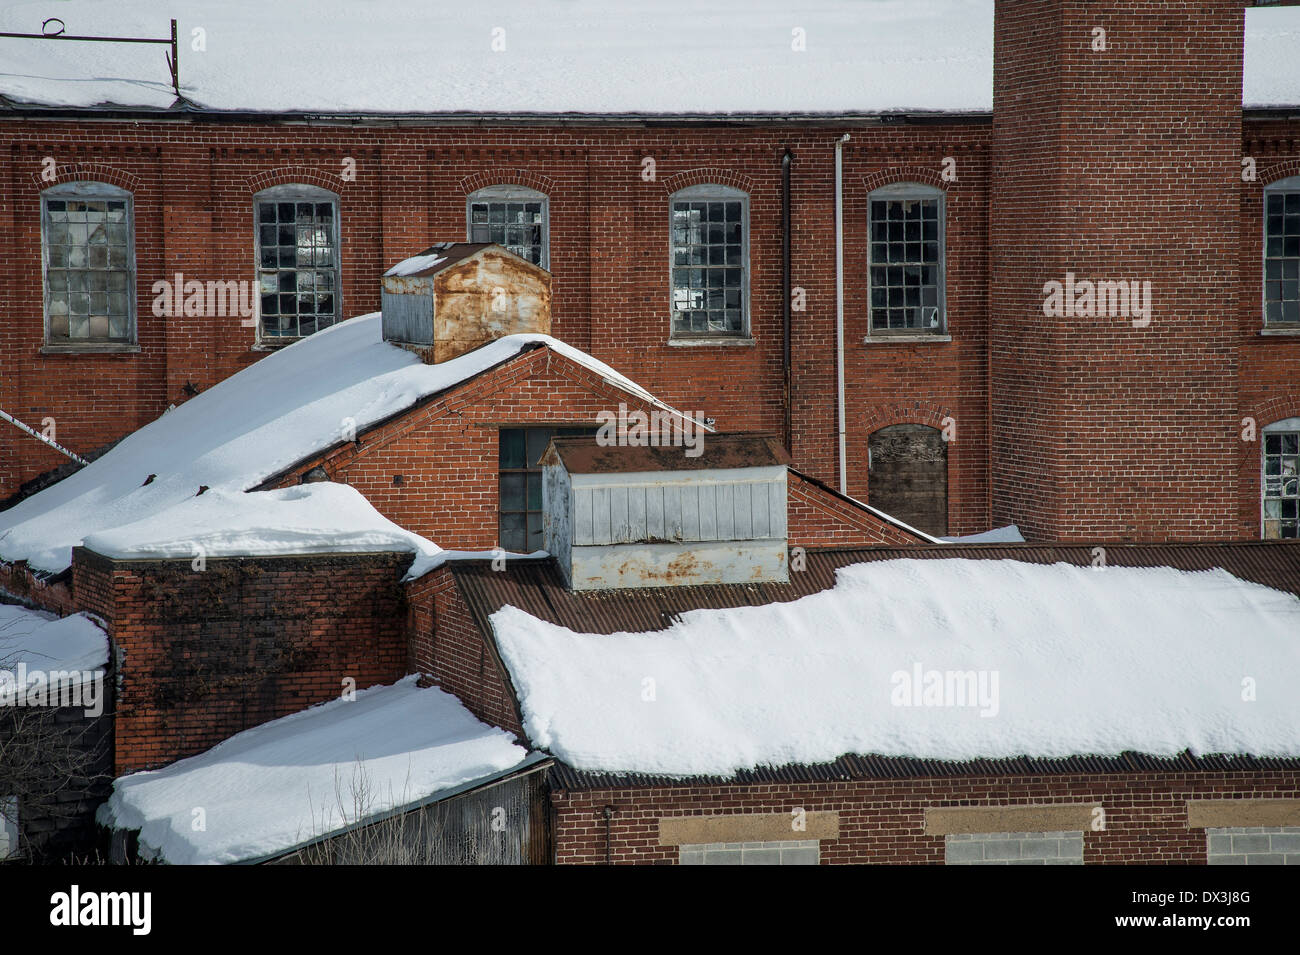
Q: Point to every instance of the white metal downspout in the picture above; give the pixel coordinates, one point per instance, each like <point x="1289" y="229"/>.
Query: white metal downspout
<point x="839" y="307"/>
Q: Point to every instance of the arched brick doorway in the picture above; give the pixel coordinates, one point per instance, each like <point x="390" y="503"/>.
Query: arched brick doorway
<point x="907" y="475"/>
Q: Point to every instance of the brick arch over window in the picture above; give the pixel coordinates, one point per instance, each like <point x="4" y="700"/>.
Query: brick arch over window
<point x="502" y="176"/>
<point x="707" y="175"/>
<point x="294" y="175"/>
<point x="882" y="416"/>
<point x="89" y="172"/>
<point x="1250" y="459"/>
<point x="894" y="174"/>
<point x="1277" y="172"/>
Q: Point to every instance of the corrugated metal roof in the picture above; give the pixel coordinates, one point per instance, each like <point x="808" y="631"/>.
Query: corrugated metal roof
<point x="583" y="455"/>
<point x="564" y="777"/>
<point x="536" y="587"/>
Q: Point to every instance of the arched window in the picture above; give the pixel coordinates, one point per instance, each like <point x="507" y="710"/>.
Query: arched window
<point x="1282" y="253"/>
<point x="710" y="262"/>
<point x="1281" y="492"/>
<point x="907" y="475"/>
<point x="513" y="216"/>
<point x="88" y="241"/>
<point x="297" y="260"/>
<point x="905" y="256"/>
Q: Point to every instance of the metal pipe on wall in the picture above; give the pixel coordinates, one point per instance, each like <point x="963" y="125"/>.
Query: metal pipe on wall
<point x="839" y="309"/>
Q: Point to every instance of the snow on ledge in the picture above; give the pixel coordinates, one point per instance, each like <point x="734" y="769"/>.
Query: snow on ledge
<point x="1071" y="661"/>
<point x="416" y="263"/>
<point x="273" y="787"/>
<point x="999" y="535"/>
<point x="321" y="518"/>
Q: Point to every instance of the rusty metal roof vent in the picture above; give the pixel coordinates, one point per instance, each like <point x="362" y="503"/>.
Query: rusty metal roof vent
<point x="455" y="296"/>
<point x="618" y="513"/>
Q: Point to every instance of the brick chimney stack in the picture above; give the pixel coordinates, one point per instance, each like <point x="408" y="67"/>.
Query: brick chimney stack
<point x="1116" y="159"/>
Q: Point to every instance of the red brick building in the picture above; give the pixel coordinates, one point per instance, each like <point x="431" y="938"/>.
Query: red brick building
<point x="1124" y="156"/>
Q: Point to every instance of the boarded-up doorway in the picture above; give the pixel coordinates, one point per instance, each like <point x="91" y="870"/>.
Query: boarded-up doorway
<point x="907" y="476"/>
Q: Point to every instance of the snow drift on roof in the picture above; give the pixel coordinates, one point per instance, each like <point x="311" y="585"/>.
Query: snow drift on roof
<point x="273" y="414"/>
<point x="280" y="784"/>
<point x="586" y="56"/>
<point x="323" y="518"/>
<point x="1074" y="661"/>
<point x="45" y="642"/>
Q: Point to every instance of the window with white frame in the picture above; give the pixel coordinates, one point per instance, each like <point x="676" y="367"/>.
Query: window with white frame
<point x="710" y="262"/>
<point x="512" y="216"/>
<point x="1282" y="252"/>
<point x="905" y="256"/>
<point x="297" y="260"/>
<point x="88" y="239"/>
<point x="1281" y="493"/>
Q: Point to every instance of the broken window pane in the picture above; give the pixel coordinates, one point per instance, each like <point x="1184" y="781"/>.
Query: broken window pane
<point x="87" y="252"/>
<point x="298" y="257"/>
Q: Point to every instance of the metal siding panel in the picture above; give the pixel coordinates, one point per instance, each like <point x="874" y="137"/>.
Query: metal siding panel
<point x="776" y="509"/>
<point x="723" y="495"/>
<point x="582" y="516"/>
<point x="742" y="513"/>
<point x="636" y="513"/>
<point x="619" y="531"/>
<point x="760" y="517"/>
<point x="708" y="510"/>
<point x="654" y="513"/>
<point x="674" y="527"/>
<point x="690" y="497"/>
<point x="600" y="516"/>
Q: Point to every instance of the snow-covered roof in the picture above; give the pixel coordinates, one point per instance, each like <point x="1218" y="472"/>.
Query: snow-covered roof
<point x="322" y="518"/>
<point x="524" y="56"/>
<point x="45" y="643"/>
<point x="278" y="785"/>
<point x="271" y="415"/>
<point x="1065" y="661"/>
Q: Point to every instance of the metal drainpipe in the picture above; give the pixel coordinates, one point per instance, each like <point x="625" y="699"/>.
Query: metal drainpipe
<point x="786" y="161"/>
<point x="839" y="307"/>
<point x="609" y="852"/>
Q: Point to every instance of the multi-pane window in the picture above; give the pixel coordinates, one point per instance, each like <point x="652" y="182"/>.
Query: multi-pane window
<point x="89" y="264"/>
<point x="511" y="216"/>
<point x="520" y="516"/>
<point x="710" y="256"/>
<point x="1282" y="252"/>
<point x="905" y="259"/>
<point x="1282" y="481"/>
<point x="297" y="260"/>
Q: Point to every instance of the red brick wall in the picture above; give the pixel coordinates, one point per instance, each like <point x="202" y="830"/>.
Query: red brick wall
<point x="204" y="655"/>
<point x="1093" y="423"/>
<point x="446" y="454"/>
<point x="447" y="647"/>
<point x="1117" y="164"/>
<point x="818" y="518"/>
<point x="883" y="820"/>
<point x="194" y="185"/>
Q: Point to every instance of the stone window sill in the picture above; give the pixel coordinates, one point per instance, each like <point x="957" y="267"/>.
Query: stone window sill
<point x="1280" y="330"/>
<point x="91" y="348"/>
<point x="905" y="339"/>
<point x="711" y="342"/>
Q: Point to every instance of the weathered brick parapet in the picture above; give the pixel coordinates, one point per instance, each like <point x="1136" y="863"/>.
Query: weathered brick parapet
<point x="202" y="655"/>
